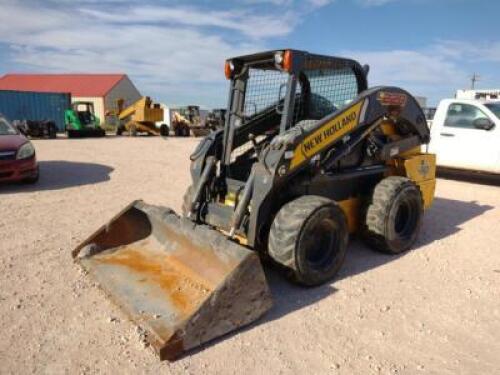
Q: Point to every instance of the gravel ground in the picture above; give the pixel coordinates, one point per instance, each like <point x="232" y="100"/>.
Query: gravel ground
<point x="433" y="310"/>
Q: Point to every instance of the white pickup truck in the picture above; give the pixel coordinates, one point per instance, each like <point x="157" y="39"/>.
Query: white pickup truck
<point x="465" y="134"/>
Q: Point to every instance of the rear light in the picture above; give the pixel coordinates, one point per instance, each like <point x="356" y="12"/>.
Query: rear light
<point x="287" y="61"/>
<point x="229" y="69"/>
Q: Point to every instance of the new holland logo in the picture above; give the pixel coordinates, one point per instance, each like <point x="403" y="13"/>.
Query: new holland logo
<point x="311" y="144"/>
<point x="330" y="132"/>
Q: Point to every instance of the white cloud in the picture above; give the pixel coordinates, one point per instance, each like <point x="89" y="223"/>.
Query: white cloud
<point x="253" y="25"/>
<point x="281" y="3"/>
<point x="406" y="66"/>
<point x="168" y="51"/>
<point x="176" y="53"/>
<point x="375" y="2"/>
<point x="481" y="51"/>
<point x="273" y="2"/>
<point x="435" y="72"/>
<point x="320" y="3"/>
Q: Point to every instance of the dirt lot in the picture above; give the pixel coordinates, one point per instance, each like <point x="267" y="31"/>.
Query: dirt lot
<point x="433" y="310"/>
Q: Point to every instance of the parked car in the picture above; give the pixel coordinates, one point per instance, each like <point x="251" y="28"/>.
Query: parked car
<point x="17" y="155"/>
<point x="465" y="134"/>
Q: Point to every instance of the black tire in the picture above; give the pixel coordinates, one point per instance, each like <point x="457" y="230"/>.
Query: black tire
<point x="178" y="131"/>
<point x="309" y="237"/>
<point x="164" y="130"/>
<point x="52" y="131"/>
<point x="119" y="130"/>
<point x="186" y="132"/>
<point x="72" y="133"/>
<point x="394" y="215"/>
<point x="186" y="200"/>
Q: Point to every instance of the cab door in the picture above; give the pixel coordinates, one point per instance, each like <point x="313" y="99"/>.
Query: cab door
<point x="468" y="138"/>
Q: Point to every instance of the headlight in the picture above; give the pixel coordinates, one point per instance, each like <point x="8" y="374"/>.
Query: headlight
<point x="229" y="69"/>
<point x="283" y="60"/>
<point x="25" y="151"/>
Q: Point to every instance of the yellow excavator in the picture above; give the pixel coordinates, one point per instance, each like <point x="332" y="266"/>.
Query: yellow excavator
<point x="309" y="155"/>
<point x="141" y="117"/>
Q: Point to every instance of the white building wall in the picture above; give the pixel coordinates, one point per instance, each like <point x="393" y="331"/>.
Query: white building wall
<point x="98" y="105"/>
<point x="124" y="89"/>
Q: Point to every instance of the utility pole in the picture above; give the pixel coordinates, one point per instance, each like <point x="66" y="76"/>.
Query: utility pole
<point x="475" y="77"/>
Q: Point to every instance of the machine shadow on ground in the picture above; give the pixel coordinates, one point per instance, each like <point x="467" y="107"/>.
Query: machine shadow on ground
<point x="58" y="174"/>
<point x="444" y="219"/>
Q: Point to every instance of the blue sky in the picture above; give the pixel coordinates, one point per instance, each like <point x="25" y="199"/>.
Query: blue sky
<point x="174" y="50"/>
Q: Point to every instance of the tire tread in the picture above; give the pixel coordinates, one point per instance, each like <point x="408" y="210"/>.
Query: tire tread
<point x="383" y="196"/>
<point x="286" y="228"/>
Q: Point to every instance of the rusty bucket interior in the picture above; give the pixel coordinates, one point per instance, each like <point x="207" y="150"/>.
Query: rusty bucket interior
<point x="184" y="284"/>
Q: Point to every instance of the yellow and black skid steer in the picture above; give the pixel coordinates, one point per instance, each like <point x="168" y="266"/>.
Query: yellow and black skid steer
<point x="308" y="155"/>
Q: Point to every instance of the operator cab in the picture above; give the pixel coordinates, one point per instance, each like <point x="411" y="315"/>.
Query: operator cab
<point x="275" y="91"/>
<point x="85" y="112"/>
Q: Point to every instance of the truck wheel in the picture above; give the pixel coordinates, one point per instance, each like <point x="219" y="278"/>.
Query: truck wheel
<point x="186" y="200"/>
<point x="186" y="132"/>
<point x="52" y="131"/>
<point x="164" y="131"/>
<point x="119" y="130"/>
<point x="394" y="215"/>
<point x="309" y="237"/>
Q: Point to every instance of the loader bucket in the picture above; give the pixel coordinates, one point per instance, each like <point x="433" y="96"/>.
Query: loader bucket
<point x="183" y="283"/>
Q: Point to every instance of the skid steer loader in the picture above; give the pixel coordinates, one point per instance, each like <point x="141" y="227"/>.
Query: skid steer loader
<point x="80" y="121"/>
<point x="308" y="156"/>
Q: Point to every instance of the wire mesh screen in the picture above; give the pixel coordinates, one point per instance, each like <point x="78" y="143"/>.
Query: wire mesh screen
<point x="331" y="89"/>
<point x="324" y="92"/>
<point x="322" y="88"/>
<point x="265" y="88"/>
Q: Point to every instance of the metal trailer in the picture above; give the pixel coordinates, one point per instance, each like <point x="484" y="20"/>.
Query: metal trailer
<point x="35" y="106"/>
<point x="141" y="117"/>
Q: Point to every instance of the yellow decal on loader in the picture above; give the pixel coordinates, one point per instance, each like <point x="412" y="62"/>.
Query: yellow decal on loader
<point x="327" y="134"/>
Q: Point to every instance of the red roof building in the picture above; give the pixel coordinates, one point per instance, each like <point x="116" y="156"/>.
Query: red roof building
<point x="101" y="89"/>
